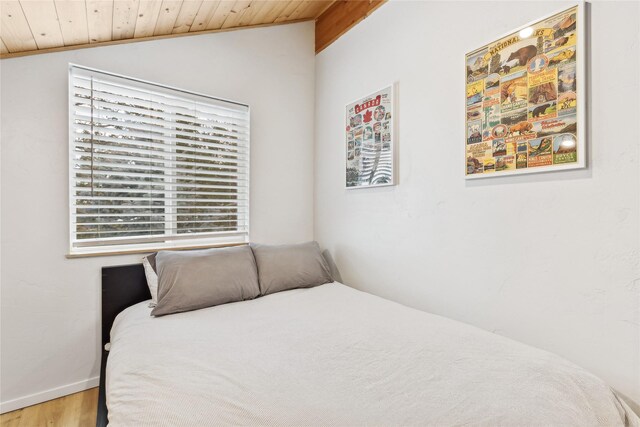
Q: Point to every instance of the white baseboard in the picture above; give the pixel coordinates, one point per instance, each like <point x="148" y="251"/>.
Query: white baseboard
<point x="43" y="396"/>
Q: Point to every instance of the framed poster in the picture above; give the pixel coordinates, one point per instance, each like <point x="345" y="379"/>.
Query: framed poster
<point x="370" y="155"/>
<point x="525" y="99"/>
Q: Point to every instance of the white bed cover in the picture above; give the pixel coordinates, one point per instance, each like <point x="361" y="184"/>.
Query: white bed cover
<point x="335" y="356"/>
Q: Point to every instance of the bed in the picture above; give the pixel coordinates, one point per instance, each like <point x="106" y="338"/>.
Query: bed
<point x="330" y="356"/>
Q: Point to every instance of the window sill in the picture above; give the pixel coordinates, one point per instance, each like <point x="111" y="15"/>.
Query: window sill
<point x="147" y="250"/>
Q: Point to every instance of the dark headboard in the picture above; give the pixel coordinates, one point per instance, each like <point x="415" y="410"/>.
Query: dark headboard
<point x="122" y="287"/>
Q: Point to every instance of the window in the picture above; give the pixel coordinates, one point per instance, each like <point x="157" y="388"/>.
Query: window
<point x="152" y="166"/>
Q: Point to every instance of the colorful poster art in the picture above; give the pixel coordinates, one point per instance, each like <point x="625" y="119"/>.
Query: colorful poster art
<point x="564" y="148"/>
<point x="524" y="99"/>
<point x="369" y="140"/>
<point x="558" y="125"/>
<point x="474" y="93"/>
<point x="474" y="113"/>
<point x="504" y="163"/>
<point x="513" y="92"/>
<point x="490" y="119"/>
<point x="522" y="155"/>
<point x="474" y="134"/>
<point x="539" y="152"/>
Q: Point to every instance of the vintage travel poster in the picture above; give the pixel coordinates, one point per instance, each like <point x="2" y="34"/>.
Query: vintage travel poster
<point x="522" y="100"/>
<point x="369" y="140"/>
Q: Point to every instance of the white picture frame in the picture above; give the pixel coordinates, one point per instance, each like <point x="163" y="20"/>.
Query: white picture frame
<point x="472" y="149"/>
<point x="370" y="153"/>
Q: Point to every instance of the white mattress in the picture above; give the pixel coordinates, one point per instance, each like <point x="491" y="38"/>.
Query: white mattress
<point x="335" y="356"/>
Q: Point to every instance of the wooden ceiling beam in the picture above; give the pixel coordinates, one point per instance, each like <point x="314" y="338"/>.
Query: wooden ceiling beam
<point x="340" y="17"/>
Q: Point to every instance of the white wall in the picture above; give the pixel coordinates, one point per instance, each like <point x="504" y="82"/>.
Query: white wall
<point x="551" y="260"/>
<point x="51" y="305"/>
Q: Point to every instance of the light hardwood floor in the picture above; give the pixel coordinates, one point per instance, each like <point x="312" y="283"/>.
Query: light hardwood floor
<point x="77" y="409"/>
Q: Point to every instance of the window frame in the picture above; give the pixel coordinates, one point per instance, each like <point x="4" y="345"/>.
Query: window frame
<point x="133" y="244"/>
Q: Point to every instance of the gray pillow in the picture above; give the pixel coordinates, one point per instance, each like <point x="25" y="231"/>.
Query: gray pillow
<point x="333" y="268"/>
<point x="190" y="280"/>
<point x="152" y="261"/>
<point x="285" y="267"/>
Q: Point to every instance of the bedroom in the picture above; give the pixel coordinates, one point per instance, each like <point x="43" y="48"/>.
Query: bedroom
<point x="547" y="260"/>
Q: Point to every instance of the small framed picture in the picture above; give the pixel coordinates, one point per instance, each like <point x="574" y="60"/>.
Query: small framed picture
<point x="370" y="141"/>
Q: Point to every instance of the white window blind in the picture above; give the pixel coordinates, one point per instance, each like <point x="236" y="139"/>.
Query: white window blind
<point x="154" y="166"/>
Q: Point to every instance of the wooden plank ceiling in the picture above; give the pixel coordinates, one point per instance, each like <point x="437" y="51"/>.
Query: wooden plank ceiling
<point x="38" y="26"/>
